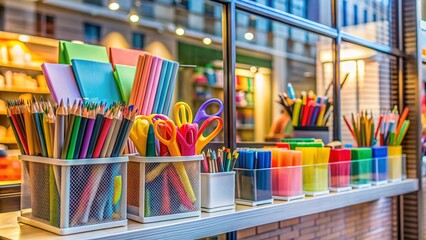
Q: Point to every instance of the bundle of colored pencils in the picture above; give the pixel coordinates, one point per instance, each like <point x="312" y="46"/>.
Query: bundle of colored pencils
<point x="308" y="110"/>
<point x="362" y="129"/>
<point x="223" y="161"/>
<point x="83" y="130"/>
<point x="392" y="127"/>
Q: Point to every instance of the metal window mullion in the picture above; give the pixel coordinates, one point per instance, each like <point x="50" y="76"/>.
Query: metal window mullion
<point x="229" y="60"/>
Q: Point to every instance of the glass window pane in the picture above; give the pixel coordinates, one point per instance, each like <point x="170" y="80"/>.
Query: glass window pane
<point x="370" y="75"/>
<point x="374" y="20"/>
<point x="315" y="10"/>
<point x="267" y="60"/>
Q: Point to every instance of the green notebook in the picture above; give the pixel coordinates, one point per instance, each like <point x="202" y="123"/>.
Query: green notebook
<point x="69" y="51"/>
<point x="293" y="145"/>
<point x="125" y="76"/>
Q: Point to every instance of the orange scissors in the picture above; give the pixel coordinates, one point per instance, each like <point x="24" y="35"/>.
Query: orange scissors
<point x="202" y="140"/>
<point x="169" y="139"/>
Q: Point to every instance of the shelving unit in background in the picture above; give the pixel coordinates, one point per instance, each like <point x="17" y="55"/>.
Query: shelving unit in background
<point x="20" y="73"/>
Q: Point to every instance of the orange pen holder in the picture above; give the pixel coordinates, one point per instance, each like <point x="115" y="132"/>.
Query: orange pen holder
<point x="287" y="183"/>
<point x="163" y="188"/>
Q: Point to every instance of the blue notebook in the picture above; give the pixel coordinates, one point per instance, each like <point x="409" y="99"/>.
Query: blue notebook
<point x="170" y="83"/>
<point x="159" y="98"/>
<point x="96" y="81"/>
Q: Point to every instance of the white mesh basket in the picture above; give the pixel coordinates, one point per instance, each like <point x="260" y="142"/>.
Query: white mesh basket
<point x="163" y="188"/>
<point x="72" y="196"/>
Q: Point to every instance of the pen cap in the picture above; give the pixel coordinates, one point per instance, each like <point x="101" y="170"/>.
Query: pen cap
<point x="339" y="155"/>
<point x="308" y="155"/>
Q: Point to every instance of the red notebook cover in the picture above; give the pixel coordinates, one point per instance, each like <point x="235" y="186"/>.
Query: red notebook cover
<point x="128" y="57"/>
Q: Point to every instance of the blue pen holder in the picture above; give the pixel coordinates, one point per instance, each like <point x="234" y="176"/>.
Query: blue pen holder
<point x="253" y="186"/>
<point x="73" y="196"/>
<point x="379" y="165"/>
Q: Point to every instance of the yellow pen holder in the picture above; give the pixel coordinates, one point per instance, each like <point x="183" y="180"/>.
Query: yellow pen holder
<point x="163" y="188"/>
<point x="73" y="196"/>
<point x="396" y="163"/>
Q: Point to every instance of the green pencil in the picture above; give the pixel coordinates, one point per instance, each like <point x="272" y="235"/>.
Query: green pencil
<point x="68" y="134"/>
<point x="74" y="135"/>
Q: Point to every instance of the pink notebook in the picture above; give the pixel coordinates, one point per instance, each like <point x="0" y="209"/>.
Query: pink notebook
<point x="61" y="82"/>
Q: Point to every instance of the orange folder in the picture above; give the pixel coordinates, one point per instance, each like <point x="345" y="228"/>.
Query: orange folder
<point x="128" y="57"/>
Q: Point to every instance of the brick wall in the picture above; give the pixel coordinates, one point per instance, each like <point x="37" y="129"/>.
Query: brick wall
<point x="373" y="220"/>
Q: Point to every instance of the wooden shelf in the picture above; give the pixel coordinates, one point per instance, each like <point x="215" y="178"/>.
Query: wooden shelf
<point x="26" y="90"/>
<point x="7" y="141"/>
<point x="211" y="224"/>
<point x="21" y="67"/>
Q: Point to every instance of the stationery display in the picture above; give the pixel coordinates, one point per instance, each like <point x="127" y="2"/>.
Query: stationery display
<point x="73" y="175"/>
<point x="167" y="168"/>
<point x="379" y="165"/>
<point x="287" y="181"/>
<point x="254" y="177"/>
<point x="315" y="169"/>
<point x="308" y="110"/>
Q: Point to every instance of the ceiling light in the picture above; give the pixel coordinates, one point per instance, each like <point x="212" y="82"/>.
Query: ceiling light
<point x="133" y="16"/>
<point x="180" y="31"/>
<point x="207" y="41"/>
<point x="113" y="5"/>
<point x="249" y="36"/>
<point x="253" y="69"/>
<point x="24" y="38"/>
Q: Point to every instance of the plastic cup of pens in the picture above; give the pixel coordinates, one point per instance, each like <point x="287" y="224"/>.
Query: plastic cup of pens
<point x="253" y="177"/>
<point x="380" y="167"/>
<point x="163" y="188"/>
<point x="361" y="167"/>
<point x="396" y="162"/>
<point x="315" y="163"/>
<point x="340" y="170"/>
<point x="218" y="181"/>
<point x="72" y="196"/>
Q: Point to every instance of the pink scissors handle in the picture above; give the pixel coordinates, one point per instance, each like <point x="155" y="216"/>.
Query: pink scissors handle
<point x="187" y="137"/>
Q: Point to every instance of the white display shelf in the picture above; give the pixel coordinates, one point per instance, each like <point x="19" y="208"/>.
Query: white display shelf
<point x="210" y="224"/>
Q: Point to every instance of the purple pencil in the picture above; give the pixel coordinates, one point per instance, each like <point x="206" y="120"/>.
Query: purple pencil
<point x="88" y="134"/>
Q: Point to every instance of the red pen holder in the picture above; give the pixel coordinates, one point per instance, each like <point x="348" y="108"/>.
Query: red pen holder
<point x="287" y="183"/>
<point x="163" y="188"/>
<point x="340" y="170"/>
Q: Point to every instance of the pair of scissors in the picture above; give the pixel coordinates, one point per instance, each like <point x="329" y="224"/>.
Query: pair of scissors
<point x="169" y="139"/>
<point x="202" y="140"/>
<point x="183" y="113"/>
<point x="187" y="136"/>
<point x="139" y="133"/>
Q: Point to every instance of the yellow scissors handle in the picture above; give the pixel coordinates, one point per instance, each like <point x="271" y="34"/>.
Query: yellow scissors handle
<point x="183" y="113"/>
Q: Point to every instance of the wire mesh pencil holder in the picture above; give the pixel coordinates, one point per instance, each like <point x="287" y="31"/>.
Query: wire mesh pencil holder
<point x="217" y="191"/>
<point x="253" y="186"/>
<point x="73" y="196"/>
<point x="287" y="183"/>
<point x="163" y="188"/>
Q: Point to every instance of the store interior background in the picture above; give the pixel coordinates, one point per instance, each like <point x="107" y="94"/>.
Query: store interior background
<point x="270" y="54"/>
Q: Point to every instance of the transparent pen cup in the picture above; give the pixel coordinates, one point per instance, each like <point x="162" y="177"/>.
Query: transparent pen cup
<point x="361" y="173"/>
<point x="315" y="179"/>
<point x="340" y="175"/>
<point x="73" y="196"/>
<point x="287" y="183"/>
<point x="253" y="186"/>
<point x="163" y="188"/>
<point x="396" y="162"/>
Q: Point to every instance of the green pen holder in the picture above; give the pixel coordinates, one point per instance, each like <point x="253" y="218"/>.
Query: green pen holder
<point x="361" y="167"/>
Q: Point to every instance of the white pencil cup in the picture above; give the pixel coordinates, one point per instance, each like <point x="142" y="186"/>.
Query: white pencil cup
<point x="217" y="191"/>
<point x="73" y="196"/>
